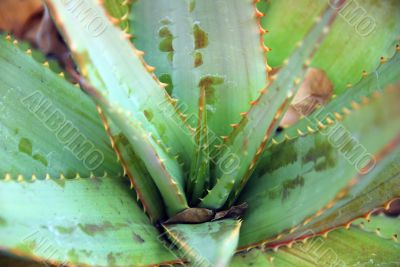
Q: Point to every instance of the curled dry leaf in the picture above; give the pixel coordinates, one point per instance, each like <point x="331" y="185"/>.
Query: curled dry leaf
<point x="192" y="215"/>
<point x="234" y="212"/>
<point x="315" y="90"/>
<point x="46" y="37"/>
<point x="200" y="215"/>
<point x="29" y="20"/>
<point x="394" y="209"/>
<point x="14" y="14"/>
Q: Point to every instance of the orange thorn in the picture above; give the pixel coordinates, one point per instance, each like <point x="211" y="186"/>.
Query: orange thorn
<point x="259" y="14"/>
<point x="329" y="121"/>
<point x="266" y="48"/>
<point x="263" y="91"/>
<point x="150" y="68"/>
<point x="253" y="103"/>
<point x="364" y="73"/>
<point x="139" y="53"/>
<point x="355" y="105"/>
<point x="113" y="20"/>
<point x="346" y="111"/>
<point x="337" y="116"/>
<point x="299" y="132"/>
<point x="125" y="17"/>
<point x="128" y="35"/>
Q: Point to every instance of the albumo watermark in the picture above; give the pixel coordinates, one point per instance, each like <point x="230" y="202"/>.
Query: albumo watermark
<point x="355" y="15"/>
<point x="65" y="131"/>
<point x="92" y="22"/>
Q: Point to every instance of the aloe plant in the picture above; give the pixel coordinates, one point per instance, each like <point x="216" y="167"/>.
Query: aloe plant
<point x="170" y="150"/>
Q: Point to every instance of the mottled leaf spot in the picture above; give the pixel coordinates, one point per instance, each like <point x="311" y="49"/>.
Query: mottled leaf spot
<point x="229" y="187"/>
<point x="273" y="193"/>
<point x="200" y="37"/>
<point x="166" y="78"/>
<point x="198" y="59"/>
<point x="208" y="83"/>
<point x="41" y="159"/>
<point x="170" y="56"/>
<point x="282" y="156"/>
<point x="148" y="114"/>
<point x="25" y="146"/>
<point x="166" y="39"/>
<point x="73" y="256"/>
<point x="137" y="238"/>
<point x="64" y="230"/>
<point x="192" y="5"/>
<point x="2" y="222"/>
<point x="165" y="21"/>
<point x="121" y="139"/>
<point x="111" y="260"/>
<point x="93" y="229"/>
<point x="289" y="185"/>
<point x="322" y="154"/>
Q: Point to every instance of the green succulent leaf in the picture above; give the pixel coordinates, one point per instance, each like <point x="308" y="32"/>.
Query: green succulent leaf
<point x="200" y="171"/>
<point x="164" y="169"/>
<point x="352" y="247"/>
<point x="255" y="130"/>
<point x="92" y="222"/>
<point x="197" y="136"/>
<point x="206" y="244"/>
<point x="131" y="97"/>
<point x="319" y="166"/>
<point x="152" y="35"/>
<point x="376" y="189"/>
<point x="47" y="125"/>
<point x="135" y="169"/>
<point x="196" y="44"/>
<point x="363" y="28"/>
<point x="117" y="74"/>
<point x="385" y="75"/>
<point x="382" y="225"/>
